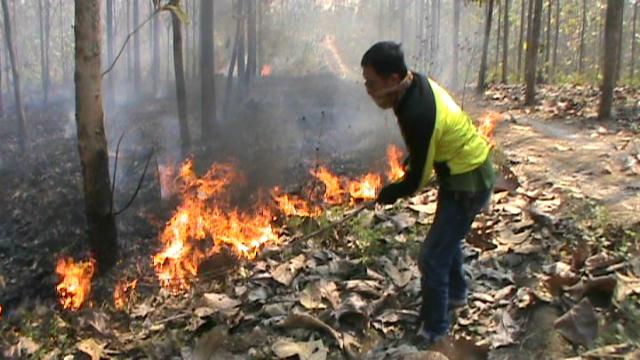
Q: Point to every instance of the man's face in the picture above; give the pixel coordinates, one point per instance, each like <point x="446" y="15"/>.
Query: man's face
<point x="381" y="88"/>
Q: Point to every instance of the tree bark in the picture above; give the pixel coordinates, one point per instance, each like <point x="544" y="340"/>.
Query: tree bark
<point x="136" y="48"/>
<point x="111" y="88"/>
<point x="194" y="49"/>
<point x="129" y="55"/>
<point x="632" y="65"/>
<point x="505" y="43"/>
<point x="1" y="90"/>
<point x="251" y="39"/>
<point x="155" y="61"/>
<point x="207" y="86"/>
<point x="498" y="37"/>
<point x="241" y="39"/>
<point x="521" y="39"/>
<point x="232" y="62"/>
<point x="23" y="133"/>
<point x="92" y="142"/>
<point x="43" y="49"/>
<point x="612" y="29"/>
<point x="456" y="43"/>
<point x="583" y="29"/>
<point x="532" y="54"/>
<point x="547" y="47"/>
<point x="485" y="48"/>
<point x="556" y="38"/>
<point x="178" y="68"/>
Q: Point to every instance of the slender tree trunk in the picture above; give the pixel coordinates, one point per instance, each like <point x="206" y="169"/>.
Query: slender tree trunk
<point x="92" y="142"/>
<point x="632" y="65"/>
<point x="178" y="67"/>
<point x="111" y="78"/>
<point x="456" y="43"/>
<point x="23" y="132"/>
<point x="583" y="30"/>
<point x="485" y="48"/>
<point x="498" y="37"/>
<point x="532" y="54"/>
<point x="63" y="42"/>
<point x="259" y="46"/>
<point x="547" y="47"/>
<point x="505" y="43"/>
<point x="620" y="48"/>
<point x="554" y="66"/>
<point x="207" y="86"/>
<point x="612" y="29"/>
<point x="43" y="58"/>
<point x="232" y="64"/>
<point x="242" y="19"/>
<point x="251" y="39"/>
<point x="521" y="39"/>
<point x="155" y="61"/>
<point x="1" y="91"/>
<point x="194" y="48"/>
<point x="136" y="48"/>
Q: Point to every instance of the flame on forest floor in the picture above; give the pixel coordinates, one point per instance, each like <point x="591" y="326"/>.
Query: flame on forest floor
<point x="75" y="282"/>
<point x="123" y="292"/>
<point x="487" y="123"/>
<point x="203" y="223"/>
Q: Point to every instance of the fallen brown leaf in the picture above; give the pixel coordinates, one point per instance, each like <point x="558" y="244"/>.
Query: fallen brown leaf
<point x="580" y="324"/>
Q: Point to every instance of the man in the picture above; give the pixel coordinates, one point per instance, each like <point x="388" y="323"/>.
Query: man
<point x="439" y="136"/>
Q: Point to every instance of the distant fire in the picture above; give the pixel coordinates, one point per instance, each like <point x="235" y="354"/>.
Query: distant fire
<point x="75" y="282"/>
<point x="266" y="70"/>
<point x="123" y="292"/>
<point x="487" y="124"/>
<point x="395" y="170"/>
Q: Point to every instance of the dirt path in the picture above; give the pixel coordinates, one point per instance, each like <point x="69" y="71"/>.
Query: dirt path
<point x="595" y="162"/>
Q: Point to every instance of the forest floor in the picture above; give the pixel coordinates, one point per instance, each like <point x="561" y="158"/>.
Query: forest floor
<point x="554" y="268"/>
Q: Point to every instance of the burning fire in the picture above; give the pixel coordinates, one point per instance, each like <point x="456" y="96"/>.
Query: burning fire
<point x="123" y="293"/>
<point x="203" y="223"/>
<point x="487" y="124"/>
<point x="291" y="205"/>
<point x="266" y="70"/>
<point x="395" y="170"/>
<point x="333" y="192"/>
<point x="366" y="188"/>
<point x="75" y="282"/>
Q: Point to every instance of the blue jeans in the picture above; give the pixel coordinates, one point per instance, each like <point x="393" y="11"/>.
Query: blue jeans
<point x="440" y="259"/>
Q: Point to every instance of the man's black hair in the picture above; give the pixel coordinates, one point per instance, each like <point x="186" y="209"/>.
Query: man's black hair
<point x="386" y="58"/>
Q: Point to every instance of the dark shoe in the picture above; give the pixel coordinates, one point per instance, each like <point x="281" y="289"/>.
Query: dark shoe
<point x="426" y="339"/>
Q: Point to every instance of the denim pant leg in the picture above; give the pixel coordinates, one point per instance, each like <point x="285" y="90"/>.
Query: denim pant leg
<point x="457" y="283"/>
<point x="441" y="255"/>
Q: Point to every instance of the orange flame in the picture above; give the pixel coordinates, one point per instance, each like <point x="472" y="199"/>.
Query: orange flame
<point x="366" y="188"/>
<point x="291" y="205"/>
<point x="75" y="282"/>
<point x="333" y="192"/>
<point x="0" y="312"/>
<point x="395" y="170"/>
<point x="266" y="70"/>
<point x="487" y="124"/>
<point x="203" y="223"/>
<point x="123" y="292"/>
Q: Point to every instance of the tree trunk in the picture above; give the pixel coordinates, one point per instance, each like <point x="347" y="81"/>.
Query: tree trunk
<point x="111" y="78"/>
<point x="178" y="68"/>
<point x="583" y="29"/>
<point x="612" y="29"/>
<point x="136" y="48"/>
<point x="92" y="142"/>
<point x="232" y="63"/>
<point x="23" y="133"/>
<point x="207" y="87"/>
<point x="498" y="37"/>
<point x="505" y="43"/>
<point x="532" y="54"/>
<point x="456" y="43"/>
<point x="521" y="39"/>
<point x="251" y="39"/>
<point x="43" y="57"/>
<point x="63" y="48"/>
<point x="1" y="90"/>
<point x="620" y="48"/>
<point x="632" y="65"/>
<point x="241" y="39"/>
<point x="194" y="48"/>
<point x="435" y="34"/>
<point x="129" y="56"/>
<point x="555" y="41"/>
<point x="485" y="48"/>
<point x="155" y="61"/>
<point x="547" y="47"/>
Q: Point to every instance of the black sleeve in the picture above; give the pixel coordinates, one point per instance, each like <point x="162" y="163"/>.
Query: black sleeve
<point x="417" y="130"/>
